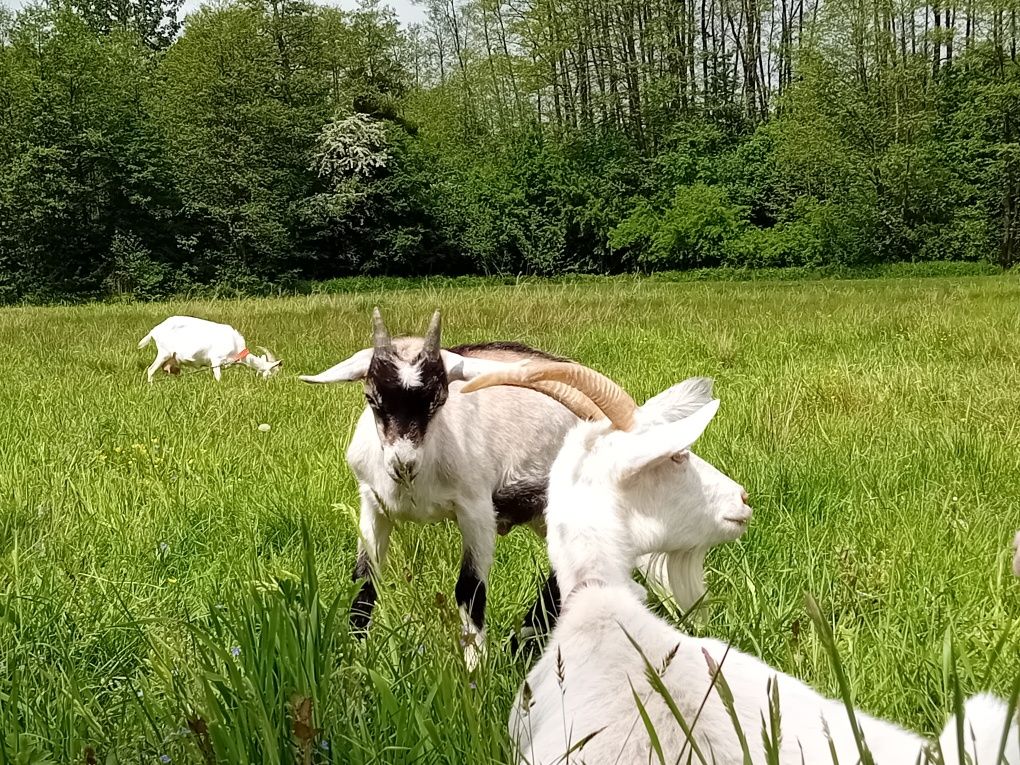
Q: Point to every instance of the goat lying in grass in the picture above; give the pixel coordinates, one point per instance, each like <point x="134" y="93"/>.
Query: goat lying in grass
<point x="184" y="341"/>
<point x="590" y="693"/>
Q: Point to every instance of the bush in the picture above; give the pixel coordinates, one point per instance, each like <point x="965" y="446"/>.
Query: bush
<point x="695" y="231"/>
<point x="131" y="272"/>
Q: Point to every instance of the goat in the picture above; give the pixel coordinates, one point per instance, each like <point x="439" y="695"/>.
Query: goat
<point x="614" y="487"/>
<point x="421" y="452"/>
<point x="187" y="341"/>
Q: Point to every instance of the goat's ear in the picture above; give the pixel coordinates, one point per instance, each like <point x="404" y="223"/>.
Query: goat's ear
<point x="676" y="403"/>
<point x="663" y="442"/>
<point x="354" y="368"/>
<point x="468" y="367"/>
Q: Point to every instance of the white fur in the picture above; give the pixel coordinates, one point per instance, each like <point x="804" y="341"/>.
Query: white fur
<point x="475" y="445"/>
<point x="410" y="375"/>
<point x="190" y="342"/>
<point x="610" y="493"/>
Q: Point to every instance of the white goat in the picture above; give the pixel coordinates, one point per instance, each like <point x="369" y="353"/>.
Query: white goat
<point x="186" y="341"/>
<point x="609" y="491"/>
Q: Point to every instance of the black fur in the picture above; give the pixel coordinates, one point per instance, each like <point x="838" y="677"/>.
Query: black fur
<point x="506" y="346"/>
<point x="405" y="412"/>
<point x="546" y="609"/>
<point x="541" y="617"/>
<point x="364" y="601"/>
<point x="470" y="592"/>
<point x="517" y="504"/>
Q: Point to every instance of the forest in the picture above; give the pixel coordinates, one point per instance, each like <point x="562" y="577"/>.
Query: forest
<point x="256" y="144"/>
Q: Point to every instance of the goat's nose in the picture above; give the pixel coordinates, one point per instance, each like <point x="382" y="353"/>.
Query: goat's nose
<point x="744" y="497"/>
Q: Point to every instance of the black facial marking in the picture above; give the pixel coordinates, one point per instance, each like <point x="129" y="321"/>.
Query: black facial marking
<point x="405" y="412"/>
<point x="517" y="504"/>
<point x="470" y="592"/>
<point x="361" y="608"/>
<point x="518" y="349"/>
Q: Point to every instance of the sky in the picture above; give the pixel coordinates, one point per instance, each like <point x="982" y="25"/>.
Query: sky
<point x="406" y="11"/>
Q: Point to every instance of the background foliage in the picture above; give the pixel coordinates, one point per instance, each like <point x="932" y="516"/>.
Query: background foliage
<point x="261" y="141"/>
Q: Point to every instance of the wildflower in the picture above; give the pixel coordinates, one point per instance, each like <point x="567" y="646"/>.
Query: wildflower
<point x="473" y="685"/>
<point x="265" y="427"/>
<point x="324" y="744"/>
<point x="235" y="651"/>
<point x="164" y="758"/>
<point x="164" y="548"/>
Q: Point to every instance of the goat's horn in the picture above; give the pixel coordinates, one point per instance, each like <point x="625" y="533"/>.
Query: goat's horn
<point x="571" y="398"/>
<point x="612" y="400"/>
<point x="380" y="335"/>
<point x="267" y="353"/>
<point x="431" y="346"/>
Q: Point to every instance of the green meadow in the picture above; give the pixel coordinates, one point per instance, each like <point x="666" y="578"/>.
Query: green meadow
<point x="174" y="580"/>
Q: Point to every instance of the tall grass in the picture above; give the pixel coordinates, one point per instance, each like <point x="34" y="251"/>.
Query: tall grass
<point x="158" y="598"/>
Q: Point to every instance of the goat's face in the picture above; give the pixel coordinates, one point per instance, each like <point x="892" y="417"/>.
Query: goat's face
<point x="406" y="384"/>
<point x="266" y="364"/>
<point x="671" y="495"/>
<point x="405" y="387"/>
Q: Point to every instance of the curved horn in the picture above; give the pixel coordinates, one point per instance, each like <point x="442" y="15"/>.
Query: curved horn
<point x="612" y="400"/>
<point x="267" y="353"/>
<point x="578" y="403"/>
<point x="431" y="346"/>
<point x="380" y="335"/>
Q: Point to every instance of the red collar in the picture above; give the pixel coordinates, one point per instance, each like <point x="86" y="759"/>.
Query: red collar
<point x="241" y="356"/>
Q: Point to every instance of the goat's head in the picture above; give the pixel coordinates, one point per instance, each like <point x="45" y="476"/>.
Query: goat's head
<point x="639" y="459"/>
<point x="406" y="384"/>
<point x="266" y="363"/>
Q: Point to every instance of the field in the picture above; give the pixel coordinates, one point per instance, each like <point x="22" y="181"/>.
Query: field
<point x="159" y="601"/>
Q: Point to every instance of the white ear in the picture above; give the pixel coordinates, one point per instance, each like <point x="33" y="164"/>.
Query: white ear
<point x="467" y="367"/>
<point x="354" y="368"/>
<point x="666" y="441"/>
<point x="676" y="403"/>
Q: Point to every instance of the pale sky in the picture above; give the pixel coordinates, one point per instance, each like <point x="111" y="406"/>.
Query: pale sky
<point x="406" y="11"/>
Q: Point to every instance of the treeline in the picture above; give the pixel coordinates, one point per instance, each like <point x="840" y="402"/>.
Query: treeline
<point x="260" y="142"/>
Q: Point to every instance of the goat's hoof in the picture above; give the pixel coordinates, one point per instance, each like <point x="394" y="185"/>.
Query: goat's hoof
<point x="473" y="645"/>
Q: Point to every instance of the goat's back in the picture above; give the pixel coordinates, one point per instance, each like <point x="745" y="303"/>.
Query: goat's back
<point x="582" y="686"/>
<point x="191" y="337"/>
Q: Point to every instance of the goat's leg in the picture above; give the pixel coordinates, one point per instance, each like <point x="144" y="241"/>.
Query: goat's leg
<point x="542" y="615"/>
<point x="478" y="528"/>
<point x="373" y="544"/>
<point x="161" y="359"/>
<point x="217" y="373"/>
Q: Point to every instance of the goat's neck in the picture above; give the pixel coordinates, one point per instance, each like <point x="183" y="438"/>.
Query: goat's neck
<point x="588" y="544"/>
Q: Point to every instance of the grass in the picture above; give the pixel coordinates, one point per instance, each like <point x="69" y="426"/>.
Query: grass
<point x="158" y="602"/>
